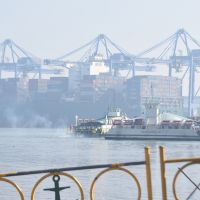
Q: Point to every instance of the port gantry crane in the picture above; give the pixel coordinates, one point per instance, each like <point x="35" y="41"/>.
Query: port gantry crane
<point x="170" y="55"/>
<point x="14" y="58"/>
<point x="113" y="55"/>
<point x="119" y="59"/>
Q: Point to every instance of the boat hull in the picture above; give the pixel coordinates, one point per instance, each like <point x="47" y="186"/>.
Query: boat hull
<point x="153" y="134"/>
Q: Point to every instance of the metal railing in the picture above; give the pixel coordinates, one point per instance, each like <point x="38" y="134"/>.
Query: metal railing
<point x="56" y="173"/>
<point x="186" y="163"/>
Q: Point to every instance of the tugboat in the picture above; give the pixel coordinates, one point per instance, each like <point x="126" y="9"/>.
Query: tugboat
<point x="99" y="127"/>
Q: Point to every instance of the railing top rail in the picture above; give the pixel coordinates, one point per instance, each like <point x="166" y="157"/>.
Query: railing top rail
<point x="177" y="160"/>
<point x="115" y="165"/>
<point x="183" y="160"/>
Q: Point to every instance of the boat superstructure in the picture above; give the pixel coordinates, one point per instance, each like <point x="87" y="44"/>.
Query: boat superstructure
<point x="99" y="126"/>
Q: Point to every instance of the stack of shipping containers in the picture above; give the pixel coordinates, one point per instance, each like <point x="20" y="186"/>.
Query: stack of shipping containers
<point x="87" y="89"/>
<point x="92" y="88"/>
<point x="57" y="88"/>
<point x="15" y="89"/>
<point x="38" y="88"/>
<point x="52" y="89"/>
<point x="166" y="91"/>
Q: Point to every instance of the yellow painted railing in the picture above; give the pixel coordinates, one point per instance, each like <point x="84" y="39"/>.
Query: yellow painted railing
<point x="106" y="168"/>
<point x="186" y="163"/>
<point x="56" y="173"/>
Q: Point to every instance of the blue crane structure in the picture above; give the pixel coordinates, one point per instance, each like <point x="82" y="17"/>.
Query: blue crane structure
<point x="14" y="58"/>
<point x="168" y="51"/>
<point x="114" y="56"/>
<point x="188" y="57"/>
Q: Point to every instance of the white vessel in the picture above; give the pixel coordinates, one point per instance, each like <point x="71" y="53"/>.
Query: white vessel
<point x="155" y="126"/>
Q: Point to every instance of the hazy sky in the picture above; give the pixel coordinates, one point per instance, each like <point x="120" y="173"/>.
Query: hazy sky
<point x="50" y="28"/>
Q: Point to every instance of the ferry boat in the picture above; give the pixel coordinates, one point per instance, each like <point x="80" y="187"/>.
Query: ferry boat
<point x="156" y="125"/>
<point x="99" y="127"/>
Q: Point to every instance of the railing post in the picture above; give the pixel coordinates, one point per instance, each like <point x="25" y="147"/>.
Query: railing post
<point x="163" y="172"/>
<point x="148" y="173"/>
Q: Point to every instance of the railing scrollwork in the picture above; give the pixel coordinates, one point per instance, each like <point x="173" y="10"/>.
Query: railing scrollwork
<point x="57" y="174"/>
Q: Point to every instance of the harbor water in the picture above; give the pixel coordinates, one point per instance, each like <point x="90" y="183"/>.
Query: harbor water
<point x="34" y="149"/>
